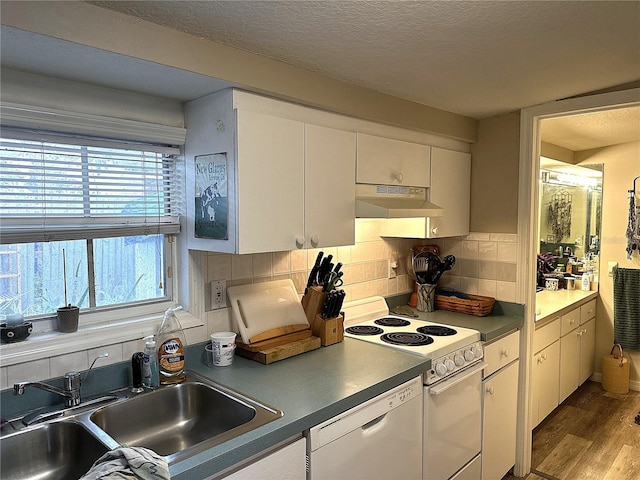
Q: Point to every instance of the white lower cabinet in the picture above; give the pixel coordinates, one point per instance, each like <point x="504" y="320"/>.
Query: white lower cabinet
<point x="587" y="350"/>
<point x="545" y="382"/>
<point x="499" y="408"/>
<point x="287" y="463"/>
<point x="577" y="349"/>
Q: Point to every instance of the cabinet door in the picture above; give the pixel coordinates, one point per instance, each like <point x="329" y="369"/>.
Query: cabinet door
<point x="546" y="373"/>
<point x="392" y="162"/>
<point x="270" y="182"/>
<point x="499" y="422"/>
<point x="569" y="363"/>
<point x="288" y="463"/>
<point x="451" y="190"/>
<point x="330" y="157"/>
<point x="587" y="350"/>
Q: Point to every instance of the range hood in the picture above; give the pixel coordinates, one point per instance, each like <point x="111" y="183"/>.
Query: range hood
<point x="394" y="201"/>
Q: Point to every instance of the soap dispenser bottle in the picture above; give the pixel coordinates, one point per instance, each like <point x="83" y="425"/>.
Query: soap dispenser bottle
<point x="171" y="349"/>
<point x="150" y="374"/>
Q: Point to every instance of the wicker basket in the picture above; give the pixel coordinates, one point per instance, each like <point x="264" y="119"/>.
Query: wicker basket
<point x="474" y="305"/>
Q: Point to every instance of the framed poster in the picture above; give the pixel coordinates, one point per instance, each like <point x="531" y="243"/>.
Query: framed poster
<point x="211" y="201"/>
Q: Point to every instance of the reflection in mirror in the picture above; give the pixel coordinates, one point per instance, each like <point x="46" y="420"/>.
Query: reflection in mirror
<point x="570" y="213"/>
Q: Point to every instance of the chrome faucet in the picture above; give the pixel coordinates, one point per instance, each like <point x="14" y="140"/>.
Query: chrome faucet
<point x="72" y="382"/>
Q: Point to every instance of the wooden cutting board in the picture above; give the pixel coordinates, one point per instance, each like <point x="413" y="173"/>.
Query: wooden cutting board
<point x="266" y="310"/>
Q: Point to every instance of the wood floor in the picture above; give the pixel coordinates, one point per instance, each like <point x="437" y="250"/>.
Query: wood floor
<point x="591" y="436"/>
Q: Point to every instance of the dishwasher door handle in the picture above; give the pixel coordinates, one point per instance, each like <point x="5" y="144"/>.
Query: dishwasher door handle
<point x="456" y="379"/>
<point x="371" y="426"/>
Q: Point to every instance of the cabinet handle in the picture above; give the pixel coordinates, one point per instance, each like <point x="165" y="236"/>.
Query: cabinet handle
<point x="397" y="176"/>
<point x="505" y="352"/>
<point x="300" y="241"/>
<point x="490" y="390"/>
<point x="543" y="357"/>
<point x="315" y="239"/>
<point x="434" y="230"/>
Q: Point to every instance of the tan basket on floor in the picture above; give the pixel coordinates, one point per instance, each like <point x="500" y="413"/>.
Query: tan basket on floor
<point x="615" y="372"/>
<point x="475" y="305"/>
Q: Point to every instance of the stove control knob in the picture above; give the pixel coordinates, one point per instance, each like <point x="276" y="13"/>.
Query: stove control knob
<point x="449" y="364"/>
<point x="469" y="356"/>
<point x="476" y="352"/>
<point x="459" y="359"/>
<point x="441" y="370"/>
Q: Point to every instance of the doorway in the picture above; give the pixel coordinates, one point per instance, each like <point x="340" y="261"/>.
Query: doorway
<point x="528" y="210"/>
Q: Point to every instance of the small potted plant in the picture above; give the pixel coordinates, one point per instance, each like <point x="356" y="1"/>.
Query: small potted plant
<point x="69" y="314"/>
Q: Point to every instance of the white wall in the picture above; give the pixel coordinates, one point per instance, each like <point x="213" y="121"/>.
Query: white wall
<point x="621" y="166"/>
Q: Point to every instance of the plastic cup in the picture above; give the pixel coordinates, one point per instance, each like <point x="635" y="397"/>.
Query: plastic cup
<point x="223" y="345"/>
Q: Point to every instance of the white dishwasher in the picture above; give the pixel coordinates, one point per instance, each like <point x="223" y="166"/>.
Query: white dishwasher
<point x="380" y="439"/>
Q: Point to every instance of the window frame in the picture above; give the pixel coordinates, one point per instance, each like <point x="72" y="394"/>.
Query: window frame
<point x="84" y="128"/>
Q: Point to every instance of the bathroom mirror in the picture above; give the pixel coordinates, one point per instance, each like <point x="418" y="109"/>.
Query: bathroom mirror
<point x="570" y="209"/>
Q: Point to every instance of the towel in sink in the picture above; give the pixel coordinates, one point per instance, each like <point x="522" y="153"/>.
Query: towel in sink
<point x="130" y="463"/>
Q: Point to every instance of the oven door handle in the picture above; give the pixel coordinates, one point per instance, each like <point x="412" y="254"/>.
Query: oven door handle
<point x="456" y="379"/>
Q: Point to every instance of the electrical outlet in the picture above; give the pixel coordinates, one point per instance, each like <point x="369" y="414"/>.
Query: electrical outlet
<point x="218" y="294"/>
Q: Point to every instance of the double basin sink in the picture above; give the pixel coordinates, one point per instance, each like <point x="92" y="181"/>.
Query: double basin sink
<point x="176" y="421"/>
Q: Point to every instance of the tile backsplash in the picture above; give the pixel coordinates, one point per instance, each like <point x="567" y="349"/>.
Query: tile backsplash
<point x="485" y="264"/>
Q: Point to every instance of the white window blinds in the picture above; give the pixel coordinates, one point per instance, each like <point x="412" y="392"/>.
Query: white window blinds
<point x="66" y="188"/>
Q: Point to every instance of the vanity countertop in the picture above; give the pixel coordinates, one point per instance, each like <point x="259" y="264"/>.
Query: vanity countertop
<point x="550" y="304"/>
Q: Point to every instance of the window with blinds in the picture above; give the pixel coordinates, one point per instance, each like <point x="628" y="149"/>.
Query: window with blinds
<point x="102" y="211"/>
<point x="51" y="190"/>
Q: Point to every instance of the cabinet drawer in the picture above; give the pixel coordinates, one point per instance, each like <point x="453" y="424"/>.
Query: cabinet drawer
<point x="587" y="311"/>
<point x="501" y="352"/>
<point x="570" y="321"/>
<point x="545" y="336"/>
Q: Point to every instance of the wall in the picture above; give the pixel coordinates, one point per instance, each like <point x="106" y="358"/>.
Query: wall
<point x="485" y="264"/>
<point x="494" y="175"/>
<point x="621" y="166"/>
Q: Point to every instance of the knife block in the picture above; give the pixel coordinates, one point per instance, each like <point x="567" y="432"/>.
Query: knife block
<point x="330" y="330"/>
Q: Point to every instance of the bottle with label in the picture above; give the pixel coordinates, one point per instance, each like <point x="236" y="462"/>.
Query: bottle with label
<point x="150" y="374"/>
<point x="171" y="349"/>
<point x="586" y="281"/>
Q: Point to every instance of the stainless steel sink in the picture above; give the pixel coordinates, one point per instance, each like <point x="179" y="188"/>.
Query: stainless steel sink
<point x="181" y="420"/>
<point x="56" y="450"/>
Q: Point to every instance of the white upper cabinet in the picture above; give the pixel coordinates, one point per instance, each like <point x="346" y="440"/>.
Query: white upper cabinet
<point x="329" y="199"/>
<point x="384" y="161"/>
<point x="270" y="182"/>
<point x="451" y="190"/>
<point x="290" y="184"/>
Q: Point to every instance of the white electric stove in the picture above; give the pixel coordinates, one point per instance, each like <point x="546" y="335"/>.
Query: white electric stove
<point x="450" y="348"/>
<point x="452" y="413"/>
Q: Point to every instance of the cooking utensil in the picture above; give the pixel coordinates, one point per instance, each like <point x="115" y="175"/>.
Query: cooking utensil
<point x="447" y="264"/>
<point x="425" y="266"/>
<point x="332" y="281"/>
<point x="312" y="280"/>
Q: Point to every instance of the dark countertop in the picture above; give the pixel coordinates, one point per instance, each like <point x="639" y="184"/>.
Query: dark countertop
<point x="309" y="389"/>
<point x="506" y="317"/>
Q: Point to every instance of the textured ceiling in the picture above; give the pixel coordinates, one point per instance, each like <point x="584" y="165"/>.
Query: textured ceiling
<point x="593" y="130"/>
<point x="476" y="58"/>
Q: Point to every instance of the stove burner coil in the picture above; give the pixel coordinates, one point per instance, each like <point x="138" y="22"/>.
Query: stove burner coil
<point x="392" y="322"/>
<point x="410" y="339"/>
<point x="364" y="330"/>
<point x="437" y="330"/>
